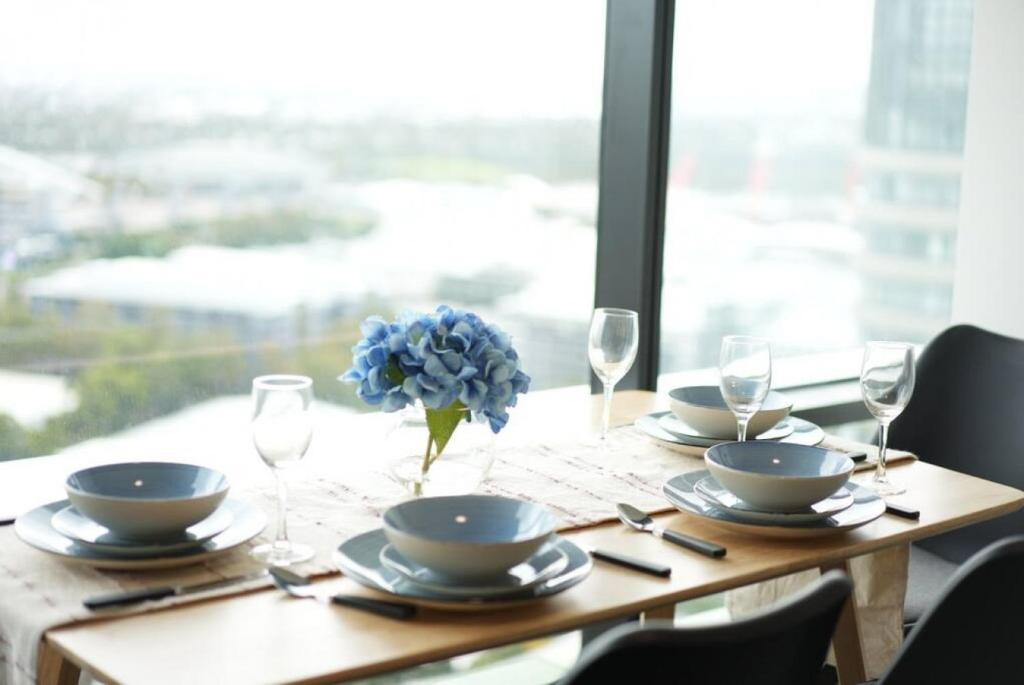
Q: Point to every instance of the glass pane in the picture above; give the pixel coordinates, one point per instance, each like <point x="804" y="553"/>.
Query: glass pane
<point x="814" y="173"/>
<point x="194" y="193"/>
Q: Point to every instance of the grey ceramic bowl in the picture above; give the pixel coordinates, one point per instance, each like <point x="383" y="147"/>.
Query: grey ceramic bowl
<point x="468" y="536"/>
<point x="702" y="407"/>
<point x="147" y="500"/>
<point x="778" y="476"/>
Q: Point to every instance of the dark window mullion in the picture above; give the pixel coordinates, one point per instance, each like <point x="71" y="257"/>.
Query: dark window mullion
<point x="634" y="170"/>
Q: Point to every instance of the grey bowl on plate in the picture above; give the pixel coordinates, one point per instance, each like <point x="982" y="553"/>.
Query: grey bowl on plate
<point x="147" y="500"/>
<point x="703" y="407"/>
<point x="780" y="477"/>
<point x="468" y="536"/>
<point x="546" y="563"/>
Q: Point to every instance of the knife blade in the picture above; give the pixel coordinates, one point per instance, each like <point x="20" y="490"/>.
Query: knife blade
<point x="902" y="510"/>
<point x="154" y="593"/>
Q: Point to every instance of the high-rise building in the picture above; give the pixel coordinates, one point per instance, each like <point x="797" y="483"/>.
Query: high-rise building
<point x="910" y="164"/>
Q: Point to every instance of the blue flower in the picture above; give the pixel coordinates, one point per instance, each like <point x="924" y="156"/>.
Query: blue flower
<point x="441" y="358"/>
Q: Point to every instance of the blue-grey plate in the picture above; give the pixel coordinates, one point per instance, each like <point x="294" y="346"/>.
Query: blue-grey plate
<point x="533" y="571"/>
<point x="712" y="492"/>
<point x="683" y="431"/>
<point x="866" y="507"/>
<point x="35" y="528"/>
<point x="91" y="535"/>
<point x="804" y="432"/>
<point x="359" y="559"/>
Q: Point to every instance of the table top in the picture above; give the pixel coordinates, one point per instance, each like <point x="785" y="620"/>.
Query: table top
<point x="268" y="637"/>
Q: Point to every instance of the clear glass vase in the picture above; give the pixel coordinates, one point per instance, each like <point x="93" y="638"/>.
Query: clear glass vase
<point x="460" y="469"/>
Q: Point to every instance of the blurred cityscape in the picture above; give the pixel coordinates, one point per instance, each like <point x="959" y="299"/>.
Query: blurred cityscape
<point x="832" y="221"/>
<point x="155" y="256"/>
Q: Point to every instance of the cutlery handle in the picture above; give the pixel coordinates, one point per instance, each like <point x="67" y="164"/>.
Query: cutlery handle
<point x="695" y="544"/>
<point x="902" y="510"/>
<point x="399" y="610"/>
<point x="632" y="563"/>
<point x="119" y="598"/>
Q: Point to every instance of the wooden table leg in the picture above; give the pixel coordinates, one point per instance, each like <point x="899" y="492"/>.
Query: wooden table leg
<point x="54" y="669"/>
<point x="846" y="641"/>
<point x="666" y="613"/>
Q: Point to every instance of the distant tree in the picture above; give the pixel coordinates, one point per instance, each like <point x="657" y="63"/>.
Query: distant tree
<point x="12" y="439"/>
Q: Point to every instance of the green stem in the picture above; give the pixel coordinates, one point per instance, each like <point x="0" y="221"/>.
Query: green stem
<point x="427" y="461"/>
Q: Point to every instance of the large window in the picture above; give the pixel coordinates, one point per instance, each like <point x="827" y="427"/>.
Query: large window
<point x="813" y="174"/>
<point x="198" y="193"/>
<point x="195" y="193"/>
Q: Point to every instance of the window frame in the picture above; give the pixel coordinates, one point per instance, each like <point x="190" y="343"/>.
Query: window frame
<point x="633" y="171"/>
<point x="632" y="190"/>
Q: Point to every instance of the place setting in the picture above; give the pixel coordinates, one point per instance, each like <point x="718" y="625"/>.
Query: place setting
<point x="137" y="516"/>
<point x="702" y="416"/>
<point x="465" y="553"/>
<point x="779" y="488"/>
<point x="142" y="516"/>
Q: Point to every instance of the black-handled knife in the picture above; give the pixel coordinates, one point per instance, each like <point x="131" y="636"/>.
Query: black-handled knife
<point x="154" y="593"/>
<point x="400" y="610"/>
<point x="635" y="518"/>
<point x="633" y="563"/>
<point x="902" y="510"/>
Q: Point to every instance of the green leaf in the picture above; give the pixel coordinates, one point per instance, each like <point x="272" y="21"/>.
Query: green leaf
<point x="393" y="372"/>
<point x="442" y="423"/>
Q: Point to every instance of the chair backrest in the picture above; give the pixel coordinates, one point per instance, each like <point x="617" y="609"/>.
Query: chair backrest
<point x="783" y="645"/>
<point x="966" y="414"/>
<point x="972" y="634"/>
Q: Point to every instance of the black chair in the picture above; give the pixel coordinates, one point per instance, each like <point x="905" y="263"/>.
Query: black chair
<point x="783" y="645"/>
<point x="965" y="415"/>
<point x="972" y="634"/>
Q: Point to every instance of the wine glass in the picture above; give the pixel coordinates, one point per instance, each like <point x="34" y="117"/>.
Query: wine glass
<point x="745" y="365"/>
<point x="282" y="428"/>
<point x="886" y="384"/>
<point x="612" y="345"/>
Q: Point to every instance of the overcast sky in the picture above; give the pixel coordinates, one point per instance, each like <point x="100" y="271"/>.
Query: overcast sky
<point x="443" y="58"/>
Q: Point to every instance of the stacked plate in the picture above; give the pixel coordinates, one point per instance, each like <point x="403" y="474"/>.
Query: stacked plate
<point x="700" y="494"/>
<point x="672" y="431"/>
<point x="467" y="553"/>
<point x="700" y="418"/>
<point x="139" y="516"/>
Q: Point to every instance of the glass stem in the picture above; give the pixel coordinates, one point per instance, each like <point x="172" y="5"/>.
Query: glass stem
<point x="281" y="541"/>
<point x="606" y="416"/>
<point x="741" y="427"/>
<point x="883" y="440"/>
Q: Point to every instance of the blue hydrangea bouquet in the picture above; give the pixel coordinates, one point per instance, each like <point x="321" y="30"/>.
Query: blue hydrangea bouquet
<point x="452" y="362"/>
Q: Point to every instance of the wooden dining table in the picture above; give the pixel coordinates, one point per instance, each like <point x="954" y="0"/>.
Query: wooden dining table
<point x="264" y="636"/>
